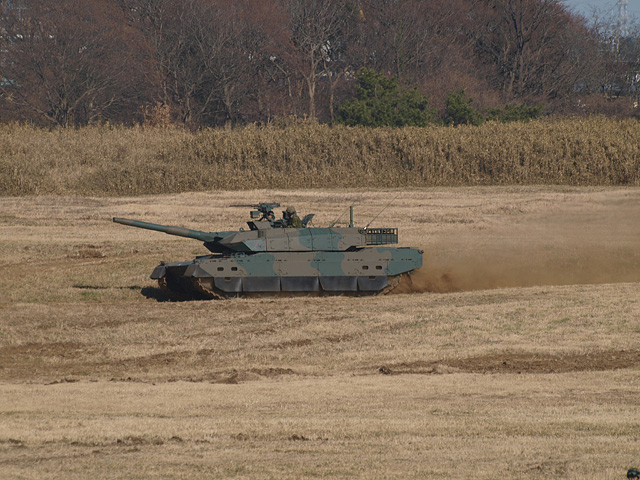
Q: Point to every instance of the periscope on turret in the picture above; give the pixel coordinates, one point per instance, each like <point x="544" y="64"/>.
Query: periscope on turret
<point x="270" y="259"/>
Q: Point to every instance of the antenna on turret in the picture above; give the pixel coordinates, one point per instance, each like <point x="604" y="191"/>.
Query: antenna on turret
<point x="388" y="204"/>
<point x="337" y="219"/>
<point x="350" y="218"/>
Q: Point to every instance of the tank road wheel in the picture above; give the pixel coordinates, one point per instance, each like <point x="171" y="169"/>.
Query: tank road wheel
<point x="206" y="288"/>
<point x="162" y="283"/>
<point x="178" y="289"/>
<point x="171" y="293"/>
<point x="394" y="282"/>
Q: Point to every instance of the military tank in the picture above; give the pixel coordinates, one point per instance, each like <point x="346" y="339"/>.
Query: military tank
<point x="272" y="258"/>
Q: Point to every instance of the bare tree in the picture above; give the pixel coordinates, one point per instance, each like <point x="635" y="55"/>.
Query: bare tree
<point x="211" y="62"/>
<point x="535" y="46"/>
<point x="206" y="55"/>
<point x="316" y="31"/>
<point x="620" y="55"/>
<point x="270" y="86"/>
<point x="70" y="62"/>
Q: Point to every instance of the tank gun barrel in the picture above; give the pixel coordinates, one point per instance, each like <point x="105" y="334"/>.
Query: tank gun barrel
<point x="171" y="230"/>
<point x="263" y="205"/>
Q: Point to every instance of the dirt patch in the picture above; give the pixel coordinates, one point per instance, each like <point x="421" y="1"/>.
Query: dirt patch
<point x="272" y="372"/>
<point x="521" y="363"/>
<point x="86" y="251"/>
<point x="156" y="360"/>
<point x="307" y="342"/>
<point x="293" y="344"/>
<point x="67" y="362"/>
<point x="59" y="359"/>
<point x="59" y="349"/>
<point x="135" y="440"/>
<point x="239" y="376"/>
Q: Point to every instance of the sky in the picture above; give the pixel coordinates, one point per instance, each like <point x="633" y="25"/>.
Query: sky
<point x="585" y="7"/>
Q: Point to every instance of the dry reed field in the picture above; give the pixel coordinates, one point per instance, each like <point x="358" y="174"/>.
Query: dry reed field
<point x="513" y="353"/>
<point x="111" y="160"/>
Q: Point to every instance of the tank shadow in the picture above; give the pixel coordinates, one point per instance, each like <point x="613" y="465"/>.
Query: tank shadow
<point x="155" y="293"/>
<point x="96" y="287"/>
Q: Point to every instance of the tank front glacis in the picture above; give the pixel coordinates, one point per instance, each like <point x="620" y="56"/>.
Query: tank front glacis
<point x="270" y="258"/>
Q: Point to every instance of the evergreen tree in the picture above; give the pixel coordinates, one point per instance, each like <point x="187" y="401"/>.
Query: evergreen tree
<point x="381" y="102"/>
<point x="459" y="111"/>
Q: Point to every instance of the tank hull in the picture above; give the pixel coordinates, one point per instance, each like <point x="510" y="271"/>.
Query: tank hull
<point x="364" y="271"/>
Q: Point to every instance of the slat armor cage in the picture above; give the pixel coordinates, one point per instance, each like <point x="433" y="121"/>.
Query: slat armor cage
<point x="381" y="236"/>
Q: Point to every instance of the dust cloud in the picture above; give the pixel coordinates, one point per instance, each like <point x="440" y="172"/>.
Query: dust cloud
<point x="566" y="248"/>
<point x="518" y="269"/>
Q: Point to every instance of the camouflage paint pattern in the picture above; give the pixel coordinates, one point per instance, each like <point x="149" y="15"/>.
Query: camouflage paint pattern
<point x="375" y="261"/>
<point x="269" y="259"/>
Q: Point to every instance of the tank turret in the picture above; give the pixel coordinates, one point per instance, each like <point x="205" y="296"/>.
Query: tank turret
<point x="270" y="258"/>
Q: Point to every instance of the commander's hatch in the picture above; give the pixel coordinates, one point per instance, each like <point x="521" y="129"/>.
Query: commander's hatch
<point x="307" y="218"/>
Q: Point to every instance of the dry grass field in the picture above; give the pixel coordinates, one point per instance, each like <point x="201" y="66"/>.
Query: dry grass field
<point x="110" y="160"/>
<point x="514" y="353"/>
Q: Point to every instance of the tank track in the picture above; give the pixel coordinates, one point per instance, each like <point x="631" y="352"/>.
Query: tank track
<point x="393" y="284"/>
<point x="198" y="285"/>
<point x="198" y="290"/>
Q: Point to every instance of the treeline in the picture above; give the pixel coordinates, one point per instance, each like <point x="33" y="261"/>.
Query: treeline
<point x="217" y="62"/>
<point x="118" y="160"/>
